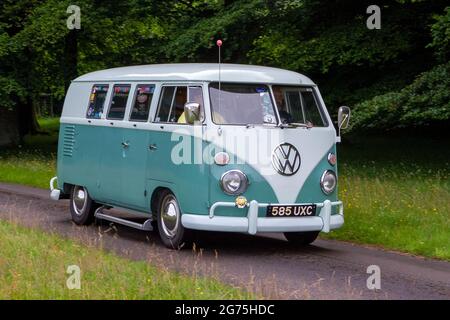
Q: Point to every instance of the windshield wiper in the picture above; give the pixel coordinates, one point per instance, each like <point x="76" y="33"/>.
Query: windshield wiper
<point x="252" y="125"/>
<point x="308" y="125"/>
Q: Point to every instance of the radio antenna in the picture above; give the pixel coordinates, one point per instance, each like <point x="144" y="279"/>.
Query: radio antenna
<point x="219" y="44"/>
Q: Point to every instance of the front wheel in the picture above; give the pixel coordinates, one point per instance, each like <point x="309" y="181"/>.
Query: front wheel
<point x="301" y="238"/>
<point x="82" y="207"/>
<point x="171" y="231"/>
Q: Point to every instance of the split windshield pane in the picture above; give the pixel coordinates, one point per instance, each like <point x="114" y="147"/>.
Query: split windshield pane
<point x="241" y="104"/>
<point x="298" y="105"/>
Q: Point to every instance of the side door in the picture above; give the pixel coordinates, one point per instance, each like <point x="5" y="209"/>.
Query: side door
<point x="175" y="160"/>
<point x="136" y="140"/>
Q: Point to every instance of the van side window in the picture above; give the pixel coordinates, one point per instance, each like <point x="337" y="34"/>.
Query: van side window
<point x="119" y="101"/>
<point x="171" y="104"/>
<point x="142" y="101"/>
<point x="97" y="101"/>
<point x="172" y="101"/>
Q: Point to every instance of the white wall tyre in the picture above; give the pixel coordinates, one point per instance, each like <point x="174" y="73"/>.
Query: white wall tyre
<point x="82" y="207"/>
<point x="171" y="231"/>
<point x="301" y="238"/>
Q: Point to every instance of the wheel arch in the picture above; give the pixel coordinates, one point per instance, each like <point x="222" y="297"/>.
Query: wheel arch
<point x="155" y="198"/>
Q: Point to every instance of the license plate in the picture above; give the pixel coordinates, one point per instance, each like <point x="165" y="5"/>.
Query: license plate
<point x="304" y="210"/>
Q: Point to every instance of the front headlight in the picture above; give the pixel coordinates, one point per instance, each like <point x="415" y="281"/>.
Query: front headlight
<point x="234" y="182"/>
<point x="328" y="182"/>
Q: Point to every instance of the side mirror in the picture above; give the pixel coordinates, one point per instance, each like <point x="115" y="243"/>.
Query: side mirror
<point x="343" y="118"/>
<point x="192" y="112"/>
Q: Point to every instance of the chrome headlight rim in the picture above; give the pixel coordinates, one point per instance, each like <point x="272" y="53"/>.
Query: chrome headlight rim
<point x="243" y="186"/>
<point x="322" y="180"/>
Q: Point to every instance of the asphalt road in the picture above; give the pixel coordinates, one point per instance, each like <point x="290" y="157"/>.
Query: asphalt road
<point x="266" y="265"/>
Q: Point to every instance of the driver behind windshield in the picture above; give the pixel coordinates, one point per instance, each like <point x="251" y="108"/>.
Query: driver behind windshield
<point x="285" y="116"/>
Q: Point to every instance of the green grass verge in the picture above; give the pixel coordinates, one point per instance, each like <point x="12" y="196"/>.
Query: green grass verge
<point x="397" y="194"/>
<point x="396" y="190"/>
<point x="33" y="265"/>
<point x="34" y="162"/>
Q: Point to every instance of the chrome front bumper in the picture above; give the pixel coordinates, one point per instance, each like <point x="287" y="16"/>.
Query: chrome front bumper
<point x="252" y="224"/>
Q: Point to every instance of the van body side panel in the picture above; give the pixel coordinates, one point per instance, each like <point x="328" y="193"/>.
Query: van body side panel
<point x="136" y="169"/>
<point x="97" y="160"/>
<point x="111" y="163"/>
<point x="79" y="155"/>
<point x="123" y="167"/>
<point x="172" y="165"/>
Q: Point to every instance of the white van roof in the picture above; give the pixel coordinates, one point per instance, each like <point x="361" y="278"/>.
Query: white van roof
<point x="198" y="72"/>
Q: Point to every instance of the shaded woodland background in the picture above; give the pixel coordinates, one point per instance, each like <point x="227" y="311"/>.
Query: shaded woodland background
<point x="395" y="78"/>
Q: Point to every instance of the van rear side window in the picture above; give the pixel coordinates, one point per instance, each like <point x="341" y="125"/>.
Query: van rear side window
<point x="142" y="101"/>
<point x="119" y="101"/>
<point x="97" y="101"/>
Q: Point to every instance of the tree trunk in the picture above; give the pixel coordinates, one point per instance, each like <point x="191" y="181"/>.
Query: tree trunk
<point x="70" y="58"/>
<point x="9" y="133"/>
<point x="28" y="123"/>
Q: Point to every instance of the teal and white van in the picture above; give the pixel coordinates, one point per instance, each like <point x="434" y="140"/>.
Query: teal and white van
<point x="187" y="147"/>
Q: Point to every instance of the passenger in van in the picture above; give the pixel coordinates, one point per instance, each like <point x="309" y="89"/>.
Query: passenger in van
<point x="285" y="116"/>
<point x="195" y="95"/>
<point x="182" y="118"/>
<point x="178" y="106"/>
<point x="141" y="105"/>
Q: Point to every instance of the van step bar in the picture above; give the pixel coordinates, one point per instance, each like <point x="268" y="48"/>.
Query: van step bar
<point x="145" y="226"/>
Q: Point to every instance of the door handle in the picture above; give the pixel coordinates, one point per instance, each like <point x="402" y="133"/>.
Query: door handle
<point x="152" y="147"/>
<point x="125" y="145"/>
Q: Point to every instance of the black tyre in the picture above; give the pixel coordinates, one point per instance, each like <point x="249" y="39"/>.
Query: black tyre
<point x="301" y="238"/>
<point x="82" y="207"/>
<point x="168" y="215"/>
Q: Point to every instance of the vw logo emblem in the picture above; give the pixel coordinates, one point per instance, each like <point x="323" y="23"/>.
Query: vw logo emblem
<point x="286" y="159"/>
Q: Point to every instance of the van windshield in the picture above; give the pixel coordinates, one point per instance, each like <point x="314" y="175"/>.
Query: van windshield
<point x="241" y="104"/>
<point x="298" y="105"/>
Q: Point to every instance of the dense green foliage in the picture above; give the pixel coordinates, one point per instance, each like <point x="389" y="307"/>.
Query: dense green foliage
<point x="396" y="193"/>
<point x="375" y="70"/>
<point x="424" y="102"/>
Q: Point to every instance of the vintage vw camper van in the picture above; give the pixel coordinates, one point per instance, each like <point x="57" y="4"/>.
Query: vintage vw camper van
<point x="185" y="147"/>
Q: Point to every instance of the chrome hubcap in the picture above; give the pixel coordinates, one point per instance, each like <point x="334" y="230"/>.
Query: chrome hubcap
<point x="79" y="200"/>
<point x="170" y="214"/>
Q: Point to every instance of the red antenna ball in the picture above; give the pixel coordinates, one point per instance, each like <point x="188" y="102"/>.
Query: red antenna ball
<point x="219" y="43"/>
